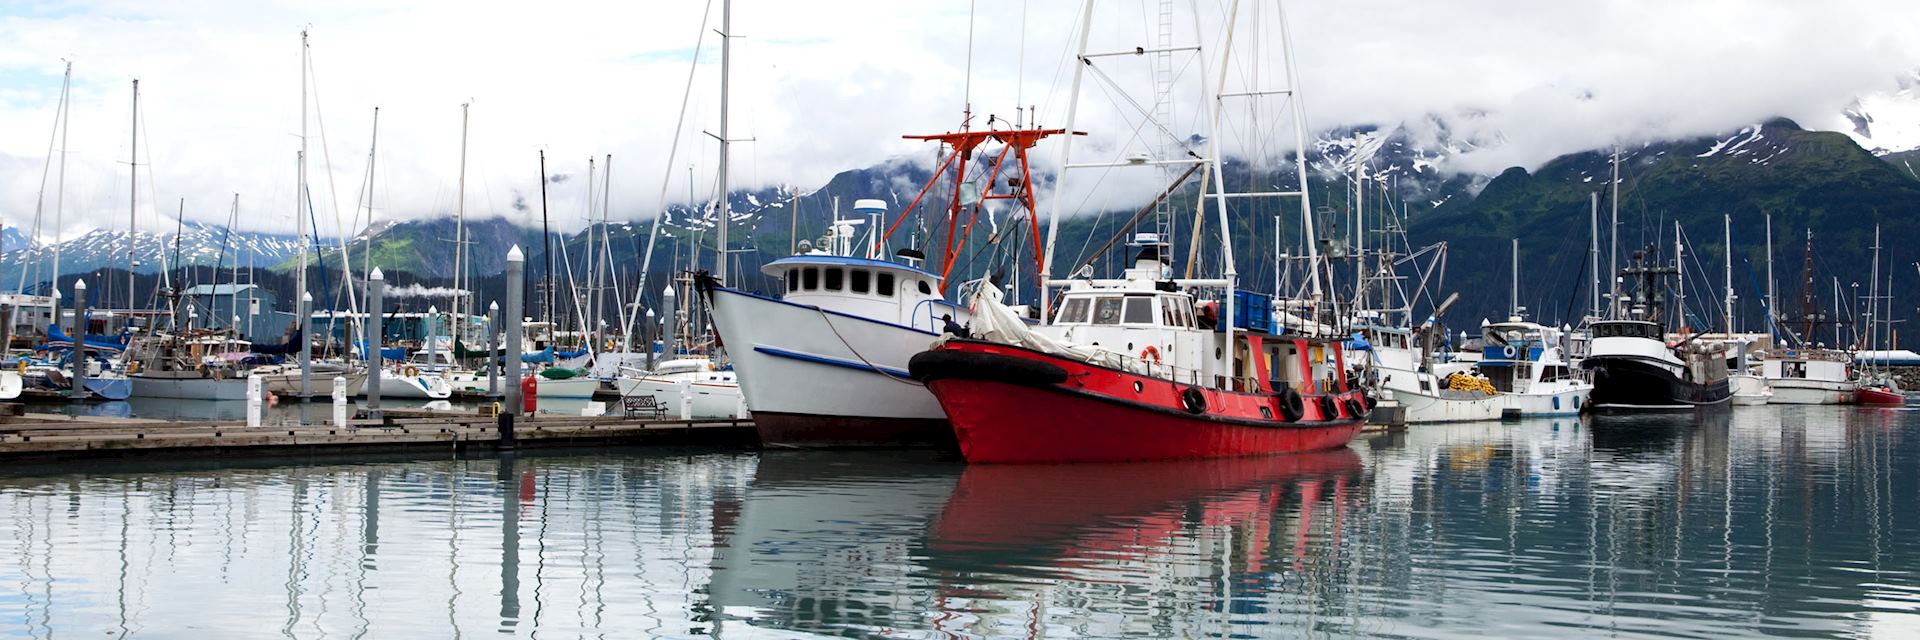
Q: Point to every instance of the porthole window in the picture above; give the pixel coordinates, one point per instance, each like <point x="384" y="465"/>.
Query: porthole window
<point x="1137" y="387"/>
<point x="925" y="289"/>
<point x="835" y="276"/>
<point x="859" y="280"/>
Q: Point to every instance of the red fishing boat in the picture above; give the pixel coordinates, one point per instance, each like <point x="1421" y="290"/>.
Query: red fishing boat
<point x="1880" y="392"/>
<point x="1181" y="388"/>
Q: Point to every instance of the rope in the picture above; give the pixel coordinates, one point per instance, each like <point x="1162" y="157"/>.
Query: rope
<point x="856" y="352"/>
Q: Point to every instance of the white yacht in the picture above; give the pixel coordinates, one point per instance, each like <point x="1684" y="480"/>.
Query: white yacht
<point x="1527" y="362"/>
<point x="715" y="392"/>
<point x="826" y="364"/>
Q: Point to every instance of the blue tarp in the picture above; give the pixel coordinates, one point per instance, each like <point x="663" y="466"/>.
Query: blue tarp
<point x="57" y="339"/>
<point x="1359" y="343"/>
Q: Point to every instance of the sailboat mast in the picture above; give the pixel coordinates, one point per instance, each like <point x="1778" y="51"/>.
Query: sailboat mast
<point x="1613" y="233"/>
<point x="1516" y="277"/>
<point x="460" y="218"/>
<point x="1680" y="272"/>
<point x="1726" y="221"/>
<point x="60" y="182"/>
<point x="1772" y="324"/>
<point x="726" y="62"/>
<point x="593" y="277"/>
<point x="1593" y="249"/>
<point x="546" y="240"/>
<point x="133" y="197"/>
<point x="1873" y="294"/>
<point x="300" y="210"/>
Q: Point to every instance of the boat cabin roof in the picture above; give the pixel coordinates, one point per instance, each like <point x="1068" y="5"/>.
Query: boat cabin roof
<point x="778" y="267"/>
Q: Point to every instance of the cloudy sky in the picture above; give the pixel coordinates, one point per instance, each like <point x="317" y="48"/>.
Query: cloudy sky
<point x="825" y="86"/>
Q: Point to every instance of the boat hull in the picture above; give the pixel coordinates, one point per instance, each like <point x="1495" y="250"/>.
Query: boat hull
<point x="1460" y="406"/>
<point x="288" y="384"/>
<point x="1006" y="407"/>
<point x="710" y="401"/>
<point x="1566" y="402"/>
<point x="1803" y="391"/>
<point x="1749" y="391"/>
<point x="189" y="388"/>
<point x="1633" y="384"/>
<point x="1878" y="396"/>
<point x="816" y="378"/>
<point x="417" y="387"/>
<point x="570" y="388"/>
<point x="11" y="384"/>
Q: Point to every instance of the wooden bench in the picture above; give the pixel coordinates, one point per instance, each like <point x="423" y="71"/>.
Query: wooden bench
<point x="643" y="406"/>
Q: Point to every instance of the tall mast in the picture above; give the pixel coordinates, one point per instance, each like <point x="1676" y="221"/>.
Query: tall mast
<point x="372" y="156"/>
<point x="1726" y="221"/>
<point x="1772" y="323"/>
<point x="593" y="277"/>
<point x="546" y="240"/>
<point x="1593" y="250"/>
<point x="1360" y="236"/>
<point x="60" y="182"/>
<point x="300" y="210"/>
<point x="1613" y="232"/>
<point x="726" y="53"/>
<point x="1516" y="277"/>
<point x="1873" y="295"/>
<point x="460" y="216"/>
<point x="133" y="196"/>
<point x="1680" y="273"/>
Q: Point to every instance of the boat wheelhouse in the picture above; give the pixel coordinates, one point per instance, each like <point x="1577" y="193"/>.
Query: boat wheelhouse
<point x="843" y="328"/>
<point x="1527" y="363"/>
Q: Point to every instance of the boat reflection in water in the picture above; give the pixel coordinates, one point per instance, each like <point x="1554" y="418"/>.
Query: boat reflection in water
<point x="877" y="542"/>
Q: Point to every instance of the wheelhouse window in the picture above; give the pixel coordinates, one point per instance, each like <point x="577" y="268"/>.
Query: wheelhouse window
<point x="793" y="279"/>
<point x="835" y="277"/>
<point x="859" y="280"/>
<point x="883" y="284"/>
<point x="926" y="289"/>
<point x="1074" y="311"/>
<point x="1139" y="310"/>
<point x="1106" y="310"/>
<point x="810" y="279"/>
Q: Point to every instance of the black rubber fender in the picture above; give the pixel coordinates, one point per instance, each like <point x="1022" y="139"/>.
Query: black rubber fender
<point x="938" y="364"/>
<point x="1194" y="400"/>
<point x="1292" y="406"/>
<point x="1356" y="407"/>
<point x="1329" y="408"/>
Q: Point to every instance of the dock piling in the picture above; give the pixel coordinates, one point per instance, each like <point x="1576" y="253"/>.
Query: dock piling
<point x="78" y="355"/>
<point x="340" y="402"/>
<point x="516" y="292"/>
<point x="376" y="292"/>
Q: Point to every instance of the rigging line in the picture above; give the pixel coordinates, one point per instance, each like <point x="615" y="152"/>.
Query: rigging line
<point x="666" y="181"/>
<point x="53" y="137"/>
<point x="333" y="190"/>
<point x="966" y="97"/>
<point x="1102" y="76"/>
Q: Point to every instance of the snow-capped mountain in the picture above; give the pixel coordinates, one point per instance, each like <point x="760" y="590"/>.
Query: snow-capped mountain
<point x="1889" y="122"/>
<point x="195" y="244"/>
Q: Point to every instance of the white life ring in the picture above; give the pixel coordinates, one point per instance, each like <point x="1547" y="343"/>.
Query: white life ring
<point x="1508" y="351"/>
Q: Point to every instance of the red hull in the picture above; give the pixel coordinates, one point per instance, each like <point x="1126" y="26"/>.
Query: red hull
<point x="1875" y="395"/>
<point x="1096" y="414"/>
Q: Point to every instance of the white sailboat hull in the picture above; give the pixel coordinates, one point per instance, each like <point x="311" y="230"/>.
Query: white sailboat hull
<point x="422" y="386"/>
<point x="190" y="388"/>
<point x="10" y="385"/>
<point x="710" y="400"/>
<point x="1562" y="402"/>
<point x="571" y="388"/>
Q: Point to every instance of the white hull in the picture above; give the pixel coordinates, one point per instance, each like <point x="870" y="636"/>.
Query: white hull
<point x="1566" y="402"/>
<point x="1800" y="391"/>
<point x="190" y="388"/>
<point x="709" y="400"/>
<point x="288" y="384"/>
<point x="571" y="388"/>
<point x="422" y="387"/>
<point x="1749" y="391"/>
<point x="10" y="385"/>
<point x="798" y="360"/>
<point x="1456" y="406"/>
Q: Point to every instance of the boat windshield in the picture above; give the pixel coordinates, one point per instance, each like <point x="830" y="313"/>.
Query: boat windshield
<point x="1626" y="330"/>
<point x="1106" y="310"/>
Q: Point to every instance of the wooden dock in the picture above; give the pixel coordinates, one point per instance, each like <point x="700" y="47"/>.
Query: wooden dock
<point x="38" y="436"/>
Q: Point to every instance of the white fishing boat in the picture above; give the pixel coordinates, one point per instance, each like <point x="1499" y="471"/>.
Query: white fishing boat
<point x="1430" y="389"/>
<point x="845" y="328"/>
<point x="715" y="392"/>
<point x="1809" y="376"/>
<point x="1527" y="363"/>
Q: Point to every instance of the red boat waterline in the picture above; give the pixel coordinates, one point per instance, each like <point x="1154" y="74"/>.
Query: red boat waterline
<point x="1003" y="411"/>
<point x="1878" y="395"/>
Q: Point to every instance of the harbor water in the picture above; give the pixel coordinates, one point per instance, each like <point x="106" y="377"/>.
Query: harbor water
<point x="1765" y="521"/>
